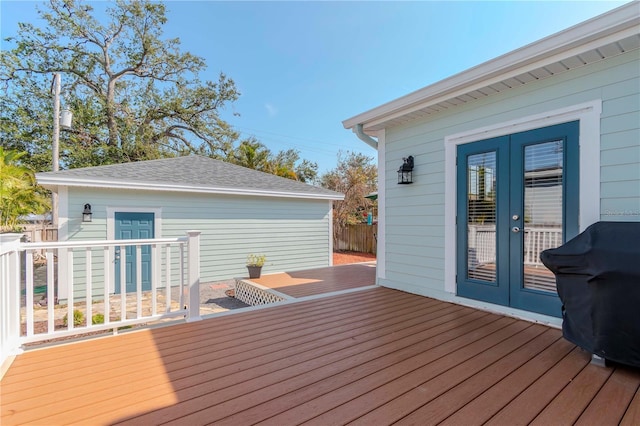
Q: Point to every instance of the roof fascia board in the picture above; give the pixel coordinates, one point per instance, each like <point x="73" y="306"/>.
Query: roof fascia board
<point x="53" y="183"/>
<point x="616" y="24"/>
<point x="506" y="74"/>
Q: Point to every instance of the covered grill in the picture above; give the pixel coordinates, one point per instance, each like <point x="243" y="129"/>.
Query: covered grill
<point x="598" y="281"/>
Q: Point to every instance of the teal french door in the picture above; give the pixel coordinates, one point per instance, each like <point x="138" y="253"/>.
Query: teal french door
<point x="129" y="225"/>
<point x="517" y="195"/>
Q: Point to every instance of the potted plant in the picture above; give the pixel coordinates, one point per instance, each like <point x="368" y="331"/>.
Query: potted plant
<point x="255" y="262"/>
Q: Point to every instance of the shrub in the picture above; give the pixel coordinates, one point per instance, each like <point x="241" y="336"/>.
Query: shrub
<point x="78" y="318"/>
<point x="97" y="319"/>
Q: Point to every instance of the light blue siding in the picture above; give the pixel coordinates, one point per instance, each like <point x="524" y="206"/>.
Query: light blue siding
<point x="615" y="157"/>
<point x="414" y="246"/>
<point x="293" y="233"/>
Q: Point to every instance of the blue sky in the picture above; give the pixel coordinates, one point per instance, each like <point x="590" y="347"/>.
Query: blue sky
<point x="303" y="67"/>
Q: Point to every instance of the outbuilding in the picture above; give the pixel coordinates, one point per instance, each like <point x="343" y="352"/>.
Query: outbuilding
<point x="239" y="211"/>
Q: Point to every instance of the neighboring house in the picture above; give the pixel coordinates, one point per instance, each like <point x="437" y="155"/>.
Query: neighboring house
<point x="238" y="210"/>
<point x="511" y="157"/>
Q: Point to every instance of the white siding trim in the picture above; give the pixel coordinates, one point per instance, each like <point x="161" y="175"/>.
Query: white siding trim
<point x="330" y="233"/>
<point x="63" y="235"/>
<point x="450" y="205"/>
<point x="589" y="116"/>
<point x="381" y="270"/>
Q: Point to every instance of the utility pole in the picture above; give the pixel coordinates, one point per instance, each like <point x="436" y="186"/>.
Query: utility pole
<point x="55" y="146"/>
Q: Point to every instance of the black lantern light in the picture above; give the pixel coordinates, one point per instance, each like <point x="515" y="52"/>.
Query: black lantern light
<point x="405" y="172"/>
<point x="86" y="213"/>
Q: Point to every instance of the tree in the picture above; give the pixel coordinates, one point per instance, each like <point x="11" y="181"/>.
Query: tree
<point x="288" y="164"/>
<point x="355" y="176"/>
<point x="18" y="192"/>
<point x="251" y="154"/>
<point x="135" y="95"/>
<point x="255" y="155"/>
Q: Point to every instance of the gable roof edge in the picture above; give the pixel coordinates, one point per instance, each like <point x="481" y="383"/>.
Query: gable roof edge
<point x="53" y="183"/>
<point x="611" y="26"/>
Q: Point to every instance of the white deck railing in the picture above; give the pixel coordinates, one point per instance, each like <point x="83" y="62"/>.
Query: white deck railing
<point x="536" y="240"/>
<point x="482" y="243"/>
<point x="86" y="273"/>
<point x="9" y="295"/>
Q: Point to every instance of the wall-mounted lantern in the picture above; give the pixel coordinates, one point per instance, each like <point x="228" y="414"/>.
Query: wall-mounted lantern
<point x="86" y="213"/>
<point x="405" y="172"/>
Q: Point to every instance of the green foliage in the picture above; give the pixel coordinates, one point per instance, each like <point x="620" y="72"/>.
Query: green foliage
<point x="256" y="259"/>
<point x="19" y="195"/>
<point x="287" y="164"/>
<point x="356" y="177"/>
<point x="251" y="154"/>
<point x="78" y="318"/>
<point x="97" y="319"/>
<point x="134" y="94"/>
<point x="255" y="155"/>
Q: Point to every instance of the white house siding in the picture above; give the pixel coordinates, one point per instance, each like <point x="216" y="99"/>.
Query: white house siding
<point x="415" y="222"/>
<point x="292" y="233"/>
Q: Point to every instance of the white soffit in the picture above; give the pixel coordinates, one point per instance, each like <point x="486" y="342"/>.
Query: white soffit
<point x="602" y="37"/>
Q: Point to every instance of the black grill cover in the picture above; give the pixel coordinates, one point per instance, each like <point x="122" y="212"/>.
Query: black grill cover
<point x="598" y="280"/>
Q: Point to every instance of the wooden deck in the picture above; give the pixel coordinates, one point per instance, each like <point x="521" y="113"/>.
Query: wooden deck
<point x="370" y="357"/>
<point x="317" y="281"/>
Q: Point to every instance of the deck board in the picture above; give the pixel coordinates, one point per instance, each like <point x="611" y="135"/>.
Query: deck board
<point x="484" y="406"/>
<point x="198" y="365"/>
<point x="457" y="397"/>
<point x="298" y="371"/>
<point x="612" y="401"/>
<point x="374" y="356"/>
<point x="526" y="406"/>
<point x="569" y="404"/>
<point x="332" y="380"/>
<point x="632" y="415"/>
<point x="317" y="281"/>
<point x="409" y="392"/>
<point x="361" y="395"/>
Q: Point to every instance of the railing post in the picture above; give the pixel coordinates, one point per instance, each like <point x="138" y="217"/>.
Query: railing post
<point x="9" y="296"/>
<point x="193" y="272"/>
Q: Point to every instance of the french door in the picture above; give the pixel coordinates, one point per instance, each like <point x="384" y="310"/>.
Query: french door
<point x="517" y="195"/>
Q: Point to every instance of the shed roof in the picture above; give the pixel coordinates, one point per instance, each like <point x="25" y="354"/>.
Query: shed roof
<point x="185" y="174"/>
<point x="610" y="34"/>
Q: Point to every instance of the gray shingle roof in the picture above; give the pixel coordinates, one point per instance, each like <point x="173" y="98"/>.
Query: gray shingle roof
<point x="192" y="173"/>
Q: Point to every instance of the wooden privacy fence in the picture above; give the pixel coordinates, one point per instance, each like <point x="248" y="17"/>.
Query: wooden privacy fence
<point x="40" y="233"/>
<point x="361" y="238"/>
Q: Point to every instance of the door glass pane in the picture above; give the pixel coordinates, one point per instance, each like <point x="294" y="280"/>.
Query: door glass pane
<point x="542" y="210"/>
<point x="481" y="216"/>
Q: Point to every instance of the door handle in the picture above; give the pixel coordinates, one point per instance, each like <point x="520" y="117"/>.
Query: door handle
<point x="515" y="229"/>
<point x="117" y="256"/>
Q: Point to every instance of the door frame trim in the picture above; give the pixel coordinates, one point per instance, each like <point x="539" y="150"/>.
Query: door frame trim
<point x="111" y="228"/>
<point x="588" y="115"/>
